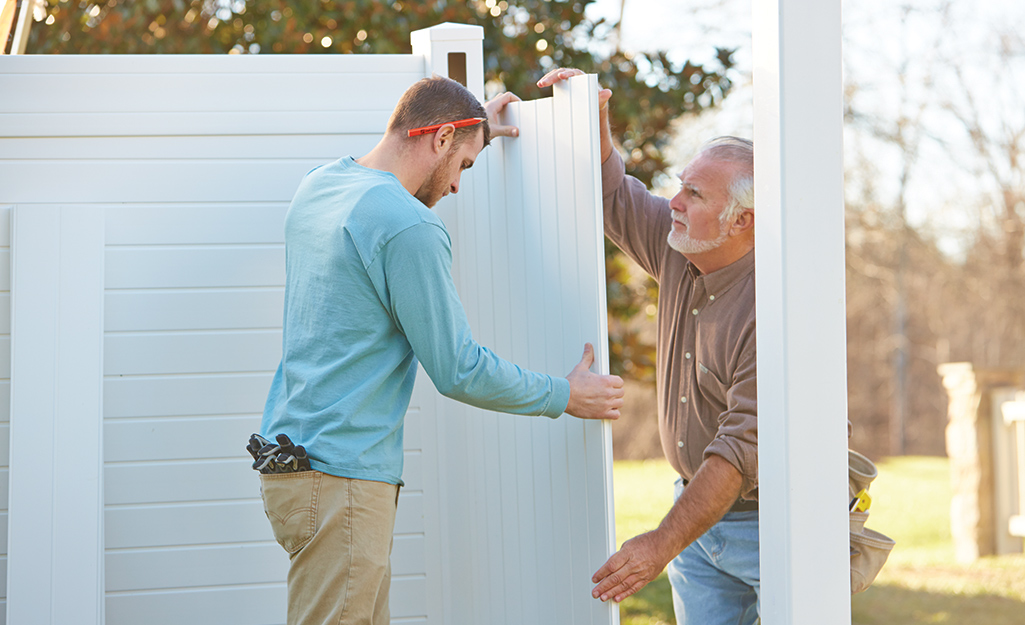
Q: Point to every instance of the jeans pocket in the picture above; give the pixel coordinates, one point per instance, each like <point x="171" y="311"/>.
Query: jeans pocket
<point x="290" y="503"/>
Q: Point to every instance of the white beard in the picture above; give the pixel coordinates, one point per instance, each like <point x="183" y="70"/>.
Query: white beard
<point x="683" y="243"/>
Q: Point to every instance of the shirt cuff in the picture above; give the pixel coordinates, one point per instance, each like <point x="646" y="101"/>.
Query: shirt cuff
<point x="559" y="398"/>
<point x="743" y="457"/>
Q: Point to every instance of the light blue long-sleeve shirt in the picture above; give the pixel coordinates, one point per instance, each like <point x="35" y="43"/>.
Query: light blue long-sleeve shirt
<point x="368" y="293"/>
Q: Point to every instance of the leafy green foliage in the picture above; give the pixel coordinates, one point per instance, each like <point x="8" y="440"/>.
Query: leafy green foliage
<point x="523" y="39"/>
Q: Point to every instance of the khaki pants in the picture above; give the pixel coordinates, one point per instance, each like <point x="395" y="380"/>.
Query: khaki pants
<point x="338" y="535"/>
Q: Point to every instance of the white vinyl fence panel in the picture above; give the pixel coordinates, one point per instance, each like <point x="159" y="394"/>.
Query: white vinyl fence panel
<point x="160" y="186"/>
<point x="5" y="389"/>
<point x="538" y="521"/>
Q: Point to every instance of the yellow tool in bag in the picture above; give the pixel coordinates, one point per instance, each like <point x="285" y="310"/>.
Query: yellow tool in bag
<point x="869" y="548"/>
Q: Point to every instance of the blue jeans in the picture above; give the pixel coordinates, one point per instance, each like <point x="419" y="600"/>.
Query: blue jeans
<point x="715" y="580"/>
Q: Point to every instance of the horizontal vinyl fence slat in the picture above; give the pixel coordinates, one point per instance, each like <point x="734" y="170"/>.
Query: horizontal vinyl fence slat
<point x="157" y="439"/>
<point x="170" y="482"/>
<point x="187" y="352"/>
<point x="204" y="267"/>
<point x="137" y="180"/>
<point x="223" y="522"/>
<point x="185" y="395"/>
<point x="105" y="93"/>
<point x="195" y="223"/>
<point x="192" y="567"/>
<point x="223" y="309"/>
<point x="330" y="123"/>
<point x="176" y="65"/>
<point x="158" y="147"/>
<point x="245" y="605"/>
<point x="256" y="563"/>
<point x="202" y="480"/>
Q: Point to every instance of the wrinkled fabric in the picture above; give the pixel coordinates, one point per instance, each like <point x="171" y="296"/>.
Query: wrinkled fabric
<point x="706" y="360"/>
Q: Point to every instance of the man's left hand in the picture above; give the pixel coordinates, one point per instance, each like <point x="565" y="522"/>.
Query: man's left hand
<point x="640" y="560"/>
<point x="494" y="107"/>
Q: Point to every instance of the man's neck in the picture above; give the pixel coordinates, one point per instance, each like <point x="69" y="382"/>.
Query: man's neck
<point x="392" y="155"/>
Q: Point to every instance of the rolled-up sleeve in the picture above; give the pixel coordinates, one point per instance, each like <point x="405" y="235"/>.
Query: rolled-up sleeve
<point x="737" y="437"/>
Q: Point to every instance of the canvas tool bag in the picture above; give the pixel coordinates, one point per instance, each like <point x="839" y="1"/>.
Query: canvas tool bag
<point x="869" y="549"/>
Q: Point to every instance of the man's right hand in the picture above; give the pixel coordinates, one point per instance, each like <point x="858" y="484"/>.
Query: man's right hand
<point x="593" y="396"/>
<point x="604" y="130"/>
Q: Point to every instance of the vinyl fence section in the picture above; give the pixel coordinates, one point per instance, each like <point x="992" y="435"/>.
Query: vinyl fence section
<point x="141" y="209"/>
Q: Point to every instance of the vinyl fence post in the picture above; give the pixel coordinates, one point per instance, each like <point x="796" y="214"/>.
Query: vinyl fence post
<point x="455" y="51"/>
<point x="802" y="385"/>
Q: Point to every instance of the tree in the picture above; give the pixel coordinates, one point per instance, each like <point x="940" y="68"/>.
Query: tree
<point x="936" y="207"/>
<point x="523" y="39"/>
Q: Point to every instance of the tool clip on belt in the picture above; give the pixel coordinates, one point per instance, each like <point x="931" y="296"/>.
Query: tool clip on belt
<point x="280" y="457"/>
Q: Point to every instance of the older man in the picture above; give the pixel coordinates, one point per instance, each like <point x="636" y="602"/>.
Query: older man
<point x="699" y="246"/>
<point x="368" y="295"/>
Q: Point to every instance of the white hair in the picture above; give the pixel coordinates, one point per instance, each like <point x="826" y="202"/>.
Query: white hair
<point x="741" y="188"/>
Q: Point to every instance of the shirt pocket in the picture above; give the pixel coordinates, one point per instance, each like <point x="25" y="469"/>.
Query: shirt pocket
<point x="711" y="386"/>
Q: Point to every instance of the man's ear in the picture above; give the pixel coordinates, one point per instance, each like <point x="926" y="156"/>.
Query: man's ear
<point x="444" y="138"/>
<point x="744" y="222"/>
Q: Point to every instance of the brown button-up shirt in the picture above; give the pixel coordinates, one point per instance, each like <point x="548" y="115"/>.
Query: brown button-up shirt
<point x="706" y="367"/>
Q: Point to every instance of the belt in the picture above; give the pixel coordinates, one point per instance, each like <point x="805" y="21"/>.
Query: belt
<point x="740" y="505"/>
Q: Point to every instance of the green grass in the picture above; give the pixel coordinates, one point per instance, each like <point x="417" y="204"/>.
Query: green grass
<point x="920" y="584"/>
<point x="644" y="494"/>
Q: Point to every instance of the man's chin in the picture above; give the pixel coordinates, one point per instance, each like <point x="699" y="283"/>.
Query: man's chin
<point x="688" y="246"/>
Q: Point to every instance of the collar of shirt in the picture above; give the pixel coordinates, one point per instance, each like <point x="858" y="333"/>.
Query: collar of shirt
<point x="718" y="282"/>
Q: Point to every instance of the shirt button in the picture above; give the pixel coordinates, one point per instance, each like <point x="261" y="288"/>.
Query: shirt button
<point x="694" y="312"/>
<point x="687" y="355"/>
<point x="679" y="444"/>
<point x="683" y="400"/>
<point x="711" y="297"/>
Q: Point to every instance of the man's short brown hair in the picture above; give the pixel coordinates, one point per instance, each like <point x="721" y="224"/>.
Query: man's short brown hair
<point x="438" y="100"/>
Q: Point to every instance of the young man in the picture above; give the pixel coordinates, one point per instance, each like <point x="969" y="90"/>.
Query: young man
<point x="368" y="295"/>
<point x="699" y="246"/>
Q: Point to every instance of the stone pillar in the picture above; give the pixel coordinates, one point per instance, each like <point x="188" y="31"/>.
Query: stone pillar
<point x="970" y="448"/>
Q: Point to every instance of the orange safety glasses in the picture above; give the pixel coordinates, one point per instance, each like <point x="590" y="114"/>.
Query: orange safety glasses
<point x="471" y="121"/>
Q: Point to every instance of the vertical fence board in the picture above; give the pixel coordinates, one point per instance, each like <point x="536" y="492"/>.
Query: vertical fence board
<point x="55" y="538"/>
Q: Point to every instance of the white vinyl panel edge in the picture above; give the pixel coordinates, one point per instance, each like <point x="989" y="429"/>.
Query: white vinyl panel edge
<point x="597" y="435"/>
<point x="578" y="327"/>
<point x="537" y="569"/>
<point x="551" y="447"/>
<point x="5" y="225"/>
<point x="519" y="469"/>
<point x="56" y="490"/>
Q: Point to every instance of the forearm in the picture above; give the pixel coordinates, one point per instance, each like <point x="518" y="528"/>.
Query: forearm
<point x="417" y="284"/>
<point x="714" y="489"/>
<point x="604" y="131"/>
<point x="476" y="376"/>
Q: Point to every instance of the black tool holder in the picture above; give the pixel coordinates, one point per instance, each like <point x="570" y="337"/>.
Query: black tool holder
<point x="280" y="457"/>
